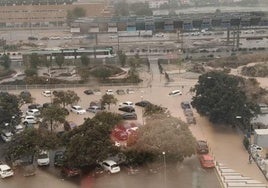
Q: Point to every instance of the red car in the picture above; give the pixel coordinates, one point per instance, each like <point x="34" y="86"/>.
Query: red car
<point x="70" y="171"/>
<point x="206" y="161"/>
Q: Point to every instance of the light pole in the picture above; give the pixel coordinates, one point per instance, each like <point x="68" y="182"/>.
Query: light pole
<point x="165" y="169"/>
<point x="142" y="111"/>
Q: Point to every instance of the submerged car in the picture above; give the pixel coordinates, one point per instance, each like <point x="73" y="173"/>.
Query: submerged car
<point x="5" y="171"/>
<point x="202" y="147"/>
<point x="206" y="161"/>
<point x="143" y="103"/>
<point x="127" y="109"/>
<point x="110" y="166"/>
<point x="43" y="158"/>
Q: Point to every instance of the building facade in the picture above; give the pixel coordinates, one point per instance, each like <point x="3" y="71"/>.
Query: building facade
<point x="45" y="15"/>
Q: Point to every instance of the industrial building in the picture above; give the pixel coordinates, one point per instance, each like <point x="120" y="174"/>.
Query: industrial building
<point x="186" y="22"/>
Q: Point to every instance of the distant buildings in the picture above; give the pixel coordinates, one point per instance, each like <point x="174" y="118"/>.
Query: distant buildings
<point x="44" y="13"/>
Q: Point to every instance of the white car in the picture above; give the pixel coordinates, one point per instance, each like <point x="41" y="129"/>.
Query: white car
<point x="175" y="93"/>
<point x="47" y="93"/>
<point x="110" y="166"/>
<point x="29" y="120"/>
<point x="6" y="136"/>
<point x="5" y="171"/>
<point x="78" y="110"/>
<point x="18" y="129"/>
<point x="126" y="103"/>
<point x="33" y="112"/>
<point x="130" y="91"/>
<point x="109" y="92"/>
<point x="43" y="158"/>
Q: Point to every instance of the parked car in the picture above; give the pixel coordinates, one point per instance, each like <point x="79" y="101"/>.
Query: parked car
<point x="110" y="166"/>
<point x="206" y="161"/>
<point x="202" y="147"/>
<point x="88" y="92"/>
<point x="143" y="103"/>
<point x="35" y="106"/>
<point x="47" y="93"/>
<point x="6" y="135"/>
<point x="188" y="112"/>
<point x="130" y="91"/>
<point x="32" y="38"/>
<point x="18" y="129"/>
<point x="120" y="92"/>
<point x="30" y="120"/>
<point x="94" y="109"/>
<point x="59" y="158"/>
<point x="129" y="116"/>
<point x="5" y="171"/>
<point x="127" y="109"/>
<point x="78" y="110"/>
<point x="190" y="119"/>
<point x="69" y="171"/>
<point x="33" y="112"/>
<point x="98" y="171"/>
<point x="109" y="92"/>
<point x="127" y="103"/>
<point x="97" y="91"/>
<point x="175" y="93"/>
<point x="43" y="158"/>
<point x="185" y="105"/>
<point x="69" y="125"/>
<point x="47" y="104"/>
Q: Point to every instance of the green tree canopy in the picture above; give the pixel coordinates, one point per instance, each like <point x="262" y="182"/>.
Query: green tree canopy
<point x="165" y="134"/>
<point x="5" y="61"/>
<point x="91" y="141"/>
<point x="108" y="99"/>
<point x="53" y="115"/>
<point x="34" y="61"/>
<point x="59" y="59"/>
<point x="220" y="97"/>
<point x="122" y="58"/>
<point x="9" y="106"/>
<point x="30" y="141"/>
<point x="85" y="60"/>
<point x="66" y="98"/>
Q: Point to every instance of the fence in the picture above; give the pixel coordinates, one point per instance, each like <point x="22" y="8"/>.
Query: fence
<point x="61" y="86"/>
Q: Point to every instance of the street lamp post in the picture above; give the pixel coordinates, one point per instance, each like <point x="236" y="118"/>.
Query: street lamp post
<point x="142" y="111"/>
<point x="165" y="169"/>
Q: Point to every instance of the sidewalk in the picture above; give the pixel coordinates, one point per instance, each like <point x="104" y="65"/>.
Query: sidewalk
<point x="227" y="147"/>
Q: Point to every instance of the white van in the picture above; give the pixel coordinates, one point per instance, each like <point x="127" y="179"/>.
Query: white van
<point x="175" y="92"/>
<point x="47" y="93"/>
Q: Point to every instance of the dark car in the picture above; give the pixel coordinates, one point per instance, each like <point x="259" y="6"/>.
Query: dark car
<point x="47" y="104"/>
<point x="35" y="106"/>
<point x="127" y="109"/>
<point x="129" y="116"/>
<point x="143" y="103"/>
<point x="185" y="105"/>
<point x="68" y="171"/>
<point x="88" y="92"/>
<point x="120" y="92"/>
<point x="202" y="147"/>
<point x="59" y="158"/>
<point x="98" y="171"/>
<point x="69" y="125"/>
